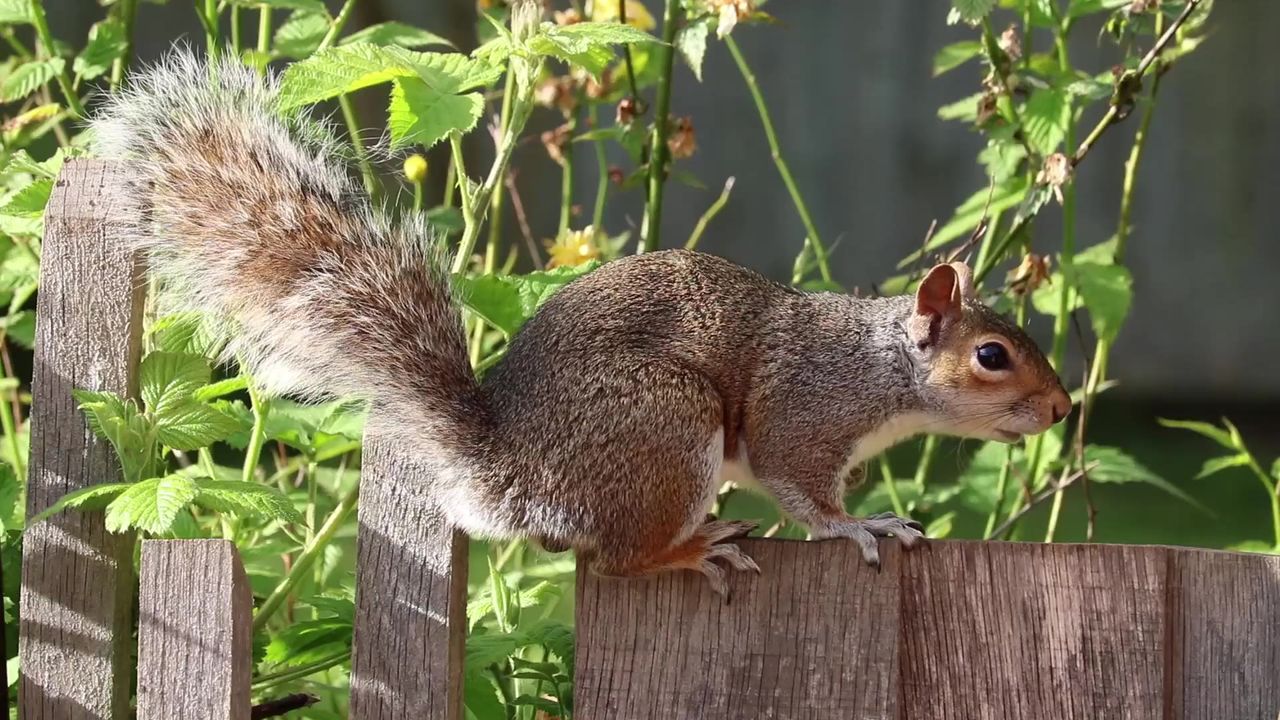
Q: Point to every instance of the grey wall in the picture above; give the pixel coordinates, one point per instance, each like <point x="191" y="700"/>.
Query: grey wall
<point x="850" y="87"/>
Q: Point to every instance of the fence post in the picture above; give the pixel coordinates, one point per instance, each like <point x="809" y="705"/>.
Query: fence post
<point x="411" y="581"/>
<point x="77" y="578"/>
<point x="195" y="634"/>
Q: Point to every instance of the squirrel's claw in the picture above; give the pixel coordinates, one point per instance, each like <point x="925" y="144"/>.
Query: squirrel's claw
<point x="866" y="532"/>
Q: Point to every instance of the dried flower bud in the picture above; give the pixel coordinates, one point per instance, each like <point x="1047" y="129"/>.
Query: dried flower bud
<point x="556" y="92"/>
<point x="1010" y="42"/>
<point x="681" y="141"/>
<point x="730" y="12"/>
<point x="1030" y="274"/>
<point x="628" y="109"/>
<point x="1137" y="7"/>
<point x="1055" y="173"/>
<point x="415" y="168"/>
<point x="615" y="175"/>
<point x="566" y="17"/>
<point x="554" y="141"/>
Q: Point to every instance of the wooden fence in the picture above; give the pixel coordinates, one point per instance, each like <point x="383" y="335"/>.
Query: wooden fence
<point x="956" y="630"/>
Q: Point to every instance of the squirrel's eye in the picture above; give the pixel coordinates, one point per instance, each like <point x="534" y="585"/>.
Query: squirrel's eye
<point x="993" y="356"/>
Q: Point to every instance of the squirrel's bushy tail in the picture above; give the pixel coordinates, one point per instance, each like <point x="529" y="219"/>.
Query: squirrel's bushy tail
<point x="254" y="215"/>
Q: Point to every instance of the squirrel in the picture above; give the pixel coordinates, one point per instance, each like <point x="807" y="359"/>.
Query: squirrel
<point x="619" y="408"/>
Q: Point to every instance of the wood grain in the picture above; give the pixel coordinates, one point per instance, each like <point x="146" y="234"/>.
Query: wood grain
<point x="77" y="579"/>
<point x="195" y="635"/>
<point x="411" y="580"/>
<point x="814" y="637"/>
<point x="1229" y="632"/>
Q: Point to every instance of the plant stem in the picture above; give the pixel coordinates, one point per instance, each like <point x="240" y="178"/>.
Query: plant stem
<point x="926" y="461"/>
<point x="819" y="250"/>
<point x="566" y="181"/>
<point x="302" y="565"/>
<point x="266" y="682"/>
<point x="209" y="19"/>
<point x="339" y="22"/>
<point x="1002" y="487"/>
<point x="362" y="157"/>
<point x="235" y="30"/>
<point x="496" y="201"/>
<point x="128" y="12"/>
<point x="261" y="407"/>
<point x="602" y="182"/>
<point x="886" y="473"/>
<point x="264" y="33"/>
<point x="659" y="153"/>
<point x="11" y="434"/>
<point x="709" y="215"/>
<point x="46" y="42"/>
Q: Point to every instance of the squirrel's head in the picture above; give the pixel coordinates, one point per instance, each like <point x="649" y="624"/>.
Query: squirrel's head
<point x="986" y="376"/>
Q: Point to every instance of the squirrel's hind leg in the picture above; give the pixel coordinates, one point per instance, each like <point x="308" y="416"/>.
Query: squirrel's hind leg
<point x="703" y="552"/>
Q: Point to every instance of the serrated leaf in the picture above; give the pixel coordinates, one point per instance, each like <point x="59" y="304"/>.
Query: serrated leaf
<point x="20" y="327"/>
<point x="168" y="379"/>
<point x="423" y="115"/>
<point x="309" y="641"/>
<point x="123" y="425"/>
<point x="1045" y="118"/>
<point x="192" y="425"/>
<point x="348" y="68"/>
<point x="483" y="605"/>
<point x="691" y="41"/>
<point x="150" y="505"/>
<point x="301" y="34"/>
<point x="15" y="12"/>
<point x="30" y="201"/>
<point x="245" y="498"/>
<point x="107" y="42"/>
<point x="954" y="55"/>
<point x="1216" y="434"/>
<point x="340" y="607"/>
<point x="49" y="169"/>
<point x="396" y="33"/>
<point x="1218" y="464"/>
<point x="29" y="77"/>
<point x="508" y="301"/>
<point x="481" y="696"/>
<point x="965" y="109"/>
<point x="1113" y="465"/>
<point x="10" y="492"/>
<point x="972" y="11"/>
<point x="94" y="497"/>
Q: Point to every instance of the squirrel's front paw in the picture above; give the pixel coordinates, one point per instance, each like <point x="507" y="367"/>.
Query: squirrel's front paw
<point x="865" y="532"/>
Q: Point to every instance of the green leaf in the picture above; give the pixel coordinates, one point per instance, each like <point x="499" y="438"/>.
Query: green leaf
<point x="972" y="11"/>
<point x="168" y="379"/>
<point x="123" y="425"/>
<point x="106" y="43"/>
<point x="1113" y="465"/>
<point x="315" y="6"/>
<point x="309" y="641"/>
<point x="423" y="115"/>
<point x="1045" y="118"/>
<point x="15" y="12"/>
<point x="1275" y="469"/>
<point x="396" y="33"/>
<point x="970" y="213"/>
<point x="151" y="505"/>
<point x="20" y="327"/>
<point x="954" y="55"/>
<point x="1214" y="433"/>
<point x="481" y="696"/>
<point x="965" y="109"/>
<point x="348" y="68"/>
<point x="1218" y="464"/>
<point x="446" y="218"/>
<point x="29" y="77"/>
<point x="586" y="44"/>
<point x="1107" y="290"/>
<point x="1080" y="8"/>
<point x="10" y="492"/>
<point x="30" y="201"/>
<point x="301" y="34"/>
<point x="691" y="42"/>
<point x="94" y="497"/>
<point x="483" y="605"/>
<point x="508" y="301"/>
<point x="191" y="425"/>
<point x="245" y="498"/>
<point x="188" y="332"/>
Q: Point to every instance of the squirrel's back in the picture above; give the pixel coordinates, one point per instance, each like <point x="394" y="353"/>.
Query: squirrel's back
<point x="253" y="214"/>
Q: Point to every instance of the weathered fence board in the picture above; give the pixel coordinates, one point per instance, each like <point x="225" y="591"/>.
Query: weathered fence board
<point x="962" y="630"/>
<point x="76" y="577"/>
<point x="195" y="635"/>
<point x="411" y="584"/>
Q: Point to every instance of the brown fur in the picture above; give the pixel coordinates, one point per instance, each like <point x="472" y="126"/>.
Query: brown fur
<point x="618" y="408"/>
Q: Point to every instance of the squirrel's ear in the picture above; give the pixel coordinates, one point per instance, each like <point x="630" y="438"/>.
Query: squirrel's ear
<point x="939" y="296"/>
<point x="964" y="278"/>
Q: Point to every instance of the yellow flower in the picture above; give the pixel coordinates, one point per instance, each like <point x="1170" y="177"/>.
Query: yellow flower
<point x="415" y="168"/>
<point x="573" y="247"/>
<point x="607" y="11"/>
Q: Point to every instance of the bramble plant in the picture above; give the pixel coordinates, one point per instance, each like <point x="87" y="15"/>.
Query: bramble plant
<point x="204" y="454"/>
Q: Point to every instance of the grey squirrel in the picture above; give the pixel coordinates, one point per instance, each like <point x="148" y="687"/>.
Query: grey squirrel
<point x="620" y="407"/>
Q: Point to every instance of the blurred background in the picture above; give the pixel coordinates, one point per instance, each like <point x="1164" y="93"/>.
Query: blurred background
<point x="855" y="105"/>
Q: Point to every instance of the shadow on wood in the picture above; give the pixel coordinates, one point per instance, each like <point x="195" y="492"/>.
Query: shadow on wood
<point x="963" y="630"/>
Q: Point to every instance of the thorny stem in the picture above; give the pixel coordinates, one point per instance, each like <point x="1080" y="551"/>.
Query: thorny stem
<point x="261" y="408"/>
<point x="626" y="54"/>
<point x="128" y="12"/>
<point x="659" y="153"/>
<point x="307" y="558"/>
<point x="819" y="250"/>
<point x="566" y="181"/>
<point x="602" y="182"/>
<point x="46" y="42"/>
<point x="495" y="205"/>
<point x="458" y="175"/>
<point x="336" y="27"/>
<point x="709" y="215"/>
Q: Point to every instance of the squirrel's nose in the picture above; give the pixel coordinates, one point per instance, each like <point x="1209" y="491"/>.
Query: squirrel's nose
<point x="1061" y="403"/>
